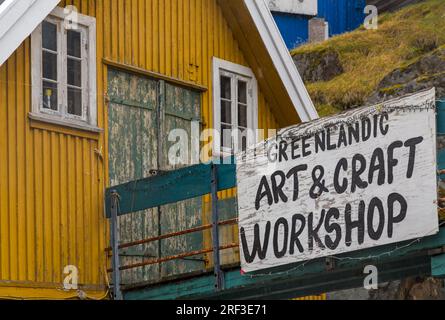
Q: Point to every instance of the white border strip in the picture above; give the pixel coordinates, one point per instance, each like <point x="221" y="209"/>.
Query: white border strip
<point x="282" y="59"/>
<point x="3" y="9"/>
<point x="18" y="19"/>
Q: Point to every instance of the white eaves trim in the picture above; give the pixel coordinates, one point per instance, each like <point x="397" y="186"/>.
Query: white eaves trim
<point x="18" y="19"/>
<point x="282" y="59"/>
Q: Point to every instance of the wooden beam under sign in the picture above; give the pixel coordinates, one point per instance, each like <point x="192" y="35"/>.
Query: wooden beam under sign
<point x="394" y="261"/>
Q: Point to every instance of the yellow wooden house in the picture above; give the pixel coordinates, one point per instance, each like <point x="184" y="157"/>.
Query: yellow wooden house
<point x="87" y="90"/>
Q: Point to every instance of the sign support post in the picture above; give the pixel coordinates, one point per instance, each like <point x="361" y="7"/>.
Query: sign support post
<point x="219" y="276"/>
<point x="117" y="294"/>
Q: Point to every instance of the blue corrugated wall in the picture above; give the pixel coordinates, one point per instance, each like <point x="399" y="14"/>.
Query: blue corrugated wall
<point x="294" y="28"/>
<point x="342" y="15"/>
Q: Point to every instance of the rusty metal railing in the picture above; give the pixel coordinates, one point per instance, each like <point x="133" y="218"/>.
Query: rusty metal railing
<point x="170" y="187"/>
<point x="169" y="236"/>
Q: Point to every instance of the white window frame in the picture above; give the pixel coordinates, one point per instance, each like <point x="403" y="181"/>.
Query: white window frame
<point x="221" y="68"/>
<point x="87" y="27"/>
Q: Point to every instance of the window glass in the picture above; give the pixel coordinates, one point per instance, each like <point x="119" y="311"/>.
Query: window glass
<point x="242" y="104"/>
<point x="242" y="92"/>
<point x="50" y="100"/>
<point x="242" y="139"/>
<point x="226" y="111"/>
<point x="74" y="76"/>
<point x="49" y="65"/>
<point x="242" y="115"/>
<point x="226" y="136"/>
<point x="49" y="36"/>
<point x="73" y="43"/>
<point x="226" y="88"/>
<point x="74" y="72"/>
<point x="75" y="101"/>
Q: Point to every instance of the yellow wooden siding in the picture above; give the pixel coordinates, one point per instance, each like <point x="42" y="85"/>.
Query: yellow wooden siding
<point x="51" y="188"/>
<point x="52" y="178"/>
<point x="180" y="40"/>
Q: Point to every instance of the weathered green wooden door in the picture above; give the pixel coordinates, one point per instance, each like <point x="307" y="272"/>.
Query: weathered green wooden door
<point x="142" y="111"/>
<point x="182" y="109"/>
<point x="133" y="140"/>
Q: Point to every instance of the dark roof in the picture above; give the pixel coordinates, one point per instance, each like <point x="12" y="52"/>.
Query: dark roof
<point x="391" y="5"/>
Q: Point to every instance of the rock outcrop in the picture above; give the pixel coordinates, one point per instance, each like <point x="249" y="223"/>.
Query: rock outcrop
<point x="427" y="72"/>
<point x="316" y="66"/>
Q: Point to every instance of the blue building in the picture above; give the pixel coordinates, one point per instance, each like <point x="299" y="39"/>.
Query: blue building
<point x="293" y="17"/>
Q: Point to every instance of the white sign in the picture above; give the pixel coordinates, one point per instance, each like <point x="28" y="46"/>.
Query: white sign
<point x="306" y="7"/>
<point x="357" y="180"/>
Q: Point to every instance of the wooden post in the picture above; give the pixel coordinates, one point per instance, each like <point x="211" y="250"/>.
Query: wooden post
<point x="117" y="294"/>
<point x="161" y="163"/>
<point x="219" y="276"/>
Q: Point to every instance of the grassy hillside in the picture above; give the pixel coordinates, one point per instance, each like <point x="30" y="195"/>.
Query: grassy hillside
<point x="367" y="56"/>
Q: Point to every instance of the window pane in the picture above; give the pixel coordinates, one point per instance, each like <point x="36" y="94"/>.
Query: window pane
<point x="226" y="111"/>
<point x="242" y="139"/>
<point x="74" y="73"/>
<point x="242" y="92"/>
<point x="49" y="95"/>
<point x="226" y="136"/>
<point x="226" y="92"/>
<point x="73" y="43"/>
<point x="242" y="115"/>
<point x="75" y="101"/>
<point x="49" y="65"/>
<point x="49" y="36"/>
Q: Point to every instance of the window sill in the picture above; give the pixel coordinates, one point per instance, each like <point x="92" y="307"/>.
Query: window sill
<point x="47" y="122"/>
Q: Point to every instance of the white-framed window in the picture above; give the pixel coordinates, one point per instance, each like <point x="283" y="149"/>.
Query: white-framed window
<point x="235" y="107"/>
<point x="64" y="70"/>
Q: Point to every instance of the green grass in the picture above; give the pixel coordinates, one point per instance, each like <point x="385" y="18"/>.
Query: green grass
<point x="367" y="56"/>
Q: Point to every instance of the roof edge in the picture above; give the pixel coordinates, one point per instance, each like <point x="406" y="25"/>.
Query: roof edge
<point x="19" y="19"/>
<point x="282" y="59"/>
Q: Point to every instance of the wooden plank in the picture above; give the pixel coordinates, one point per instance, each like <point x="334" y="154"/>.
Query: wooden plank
<point x="285" y="287"/>
<point x="394" y="261"/>
<point x="154" y="75"/>
<point x="170" y="187"/>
